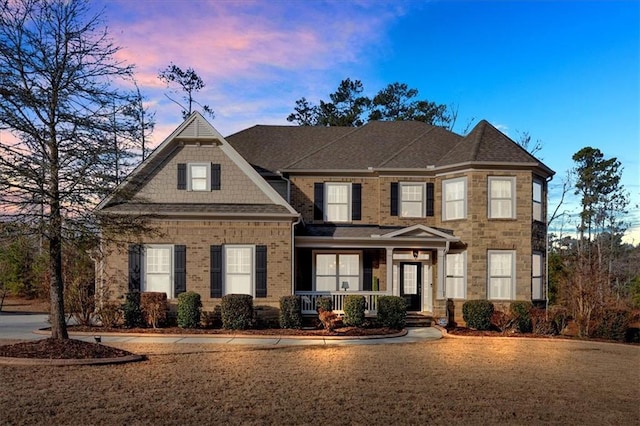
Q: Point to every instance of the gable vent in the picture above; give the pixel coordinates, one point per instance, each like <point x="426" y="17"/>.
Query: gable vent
<point x="197" y="129"/>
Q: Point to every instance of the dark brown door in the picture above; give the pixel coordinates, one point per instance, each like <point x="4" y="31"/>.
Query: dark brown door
<point x="411" y="285"/>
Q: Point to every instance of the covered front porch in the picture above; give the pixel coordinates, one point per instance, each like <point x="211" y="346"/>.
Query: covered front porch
<point x="336" y="261"/>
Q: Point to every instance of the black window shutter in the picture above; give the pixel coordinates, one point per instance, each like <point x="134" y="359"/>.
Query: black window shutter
<point x="430" y="198"/>
<point x="367" y="271"/>
<point x="135" y="267"/>
<point x="356" y="201"/>
<point x="182" y="176"/>
<point x="394" y="198"/>
<point x="179" y="270"/>
<point x="215" y="177"/>
<point x="261" y="271"/>
<point x="318" y="201"/>
<point x="216" y="271"/>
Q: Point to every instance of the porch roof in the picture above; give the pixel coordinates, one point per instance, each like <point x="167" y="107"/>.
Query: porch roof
<point x="373" y="236"/>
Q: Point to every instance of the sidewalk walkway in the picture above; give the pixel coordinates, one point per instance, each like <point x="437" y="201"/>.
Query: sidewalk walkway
<point x="16" y="326"/>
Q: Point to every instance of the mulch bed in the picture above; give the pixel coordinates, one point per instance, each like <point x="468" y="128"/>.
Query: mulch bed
<point x="60" y="349"/>
<point x="342" y="331"/>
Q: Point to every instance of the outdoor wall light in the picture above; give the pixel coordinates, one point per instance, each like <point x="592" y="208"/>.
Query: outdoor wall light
<point x="415" y="254"/>
<point x="345" y="285"/>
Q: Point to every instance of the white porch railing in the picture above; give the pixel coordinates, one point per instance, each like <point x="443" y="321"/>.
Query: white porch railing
<point x="308" y="300"/>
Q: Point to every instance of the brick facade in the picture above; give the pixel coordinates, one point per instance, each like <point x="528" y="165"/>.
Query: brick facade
<point x="198" y="236"/>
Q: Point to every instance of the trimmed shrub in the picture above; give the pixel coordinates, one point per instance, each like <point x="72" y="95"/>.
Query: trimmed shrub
<point x="477" y="314"/>
<point x="354" y="306"/>
<point x="521" y="312"/>
<point x="613" y="324"/>
<point x="392" y="311"/>
<point x="237" y="311"/>
<point x="290" y="312"/>
<point x="131" y="310"/>
<point x="110" y="314"/>
<point x="324" y="302"/>
<point x="154" y="308"/>
<point x="189" y="309"/>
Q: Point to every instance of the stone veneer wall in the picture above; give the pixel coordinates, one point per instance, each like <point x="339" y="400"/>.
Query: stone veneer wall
<point x="198" y="236"/>
<point x="476" y="231"/>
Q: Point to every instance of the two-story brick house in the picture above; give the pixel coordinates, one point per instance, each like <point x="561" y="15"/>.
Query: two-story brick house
<point x="400" y="208"/>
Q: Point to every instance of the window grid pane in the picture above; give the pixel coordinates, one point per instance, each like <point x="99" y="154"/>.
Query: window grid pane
<point x="501" y="198"/>
<point x="337" y="207"/>
<point x="454" y="198"/>
<point x="334" y="269"/>
<point x="238" y="270"/>
<point x="455" y="284"/>
<point x="500" y="275"/>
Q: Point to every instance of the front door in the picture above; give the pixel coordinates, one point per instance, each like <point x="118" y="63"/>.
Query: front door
<point x="411" y="285"/>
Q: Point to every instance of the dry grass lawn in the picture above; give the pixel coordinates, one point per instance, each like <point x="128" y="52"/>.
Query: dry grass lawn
<point x="451" y="381"/>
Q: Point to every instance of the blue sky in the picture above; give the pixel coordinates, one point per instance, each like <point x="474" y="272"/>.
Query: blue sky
<point x="567" y="72"/>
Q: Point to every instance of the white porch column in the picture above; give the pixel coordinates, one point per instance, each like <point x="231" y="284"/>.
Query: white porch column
<point x="390" y="286"/>
<point x="441" y="275"/>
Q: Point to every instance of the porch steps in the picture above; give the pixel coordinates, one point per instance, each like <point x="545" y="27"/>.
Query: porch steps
<point x="417" y="319"/>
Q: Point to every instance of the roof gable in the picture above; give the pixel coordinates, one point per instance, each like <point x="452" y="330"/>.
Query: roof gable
<point x="420" y="231"/>
<point x="154" y="181"/>
<point x="486" y="144"/>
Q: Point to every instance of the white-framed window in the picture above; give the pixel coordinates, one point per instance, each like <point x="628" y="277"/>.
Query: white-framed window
<point x="456" y="280"/>
<point x="158" y="269"/>
<point x="337" y="202"/>
<point x="501" y="274"/>
<point x="337" y="271"/>
<point x="537" y="286"/>
<point x="412" y="199"/>
<point x="502" y="197"/>
<point x="199" y="176"/>
<point x="454" y="198"/>
<point x="239" y="270"/>
<point x="537" y="200"/>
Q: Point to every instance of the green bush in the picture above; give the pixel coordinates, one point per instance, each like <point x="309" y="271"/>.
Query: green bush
<point x="354" y="306"/>
<point x="521" y="312"/>
<point x="324" y="302"/>
<point x="612" y="324"/>
<point x="392" y="311"/>
<point x="290" y="312"/>
<point x="154" y="308"/>
<point x="189" y="309"/>
<point x="477" y="314"/>
<point x="131" y="310"/>
<point x="237" y="311"/>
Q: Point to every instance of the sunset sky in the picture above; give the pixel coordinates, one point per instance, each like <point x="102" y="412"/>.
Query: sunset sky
<point x="567" y="72"/>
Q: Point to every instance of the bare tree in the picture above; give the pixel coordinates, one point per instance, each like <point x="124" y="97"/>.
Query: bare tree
<point x="187" y="81"/>
<point x="57" y="97"/>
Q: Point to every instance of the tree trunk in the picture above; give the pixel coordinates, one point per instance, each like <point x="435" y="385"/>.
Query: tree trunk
<point x="56" y="291"/>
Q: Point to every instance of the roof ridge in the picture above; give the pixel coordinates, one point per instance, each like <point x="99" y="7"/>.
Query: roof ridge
<point x="355" y="129"/>
<point x="385" y="161"/>
<point x="476" y="148"/>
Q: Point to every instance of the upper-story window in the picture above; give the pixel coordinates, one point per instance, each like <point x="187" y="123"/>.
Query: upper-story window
<point x="537" y="200"/>
<point x="199" y="176"/>
<point x="412" y="199"/>
<point x="337" y="201"/>
<point x="454" y="198"/>
<point x="502" y="197"/>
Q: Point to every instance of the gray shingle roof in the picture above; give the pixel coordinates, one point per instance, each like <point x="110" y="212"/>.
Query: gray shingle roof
<point x="378" y="144"/>
<point x="197" y="209"/>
